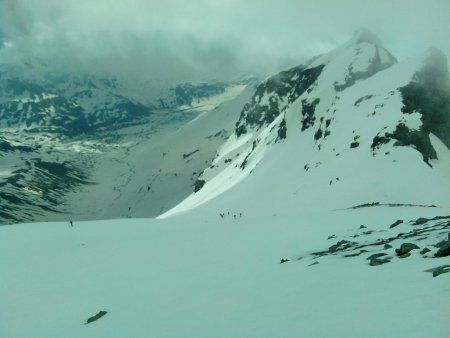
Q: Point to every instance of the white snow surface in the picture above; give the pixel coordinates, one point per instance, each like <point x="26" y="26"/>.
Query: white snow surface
<point x="203" y="276"/>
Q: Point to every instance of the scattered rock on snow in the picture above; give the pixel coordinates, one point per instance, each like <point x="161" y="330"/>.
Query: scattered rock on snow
<point x="420" y="221"/>
<point x="378" y="259"/>
<point x="340" y="246"/>
<point x="393" y="225"/>
<point x="96" y="317"/>
<point x="406" y="248"/>
<point x="424" y="251"/>
<point x="439" y="270"/>
<point x="443" y="251"/>
<point x="440" y="244"/>
<point x="387" y="246"/>
<point x="284" y="260"/>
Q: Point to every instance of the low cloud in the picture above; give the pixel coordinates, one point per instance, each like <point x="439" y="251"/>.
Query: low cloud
<point x="207" y="39"/>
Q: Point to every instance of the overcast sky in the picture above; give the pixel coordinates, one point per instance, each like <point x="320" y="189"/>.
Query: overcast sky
<point x="207" y="39"/>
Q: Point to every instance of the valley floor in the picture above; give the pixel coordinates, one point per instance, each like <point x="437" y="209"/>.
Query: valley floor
<point x="204" y="275"/>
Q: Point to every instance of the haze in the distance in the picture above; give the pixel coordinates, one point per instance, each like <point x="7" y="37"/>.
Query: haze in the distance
<point x="207" y="39"/>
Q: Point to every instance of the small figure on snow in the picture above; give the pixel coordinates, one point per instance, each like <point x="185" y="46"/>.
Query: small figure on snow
<point x="71" y="223"/>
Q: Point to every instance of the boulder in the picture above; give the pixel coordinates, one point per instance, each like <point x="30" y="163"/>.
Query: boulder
<point x="405" y="248"/>
<point x="424" y="251"/>
<point x="96" y="317"/>
<point x="393" y="225"/>
<point x="439" y="270"/>
<point x="378" y="259"/>
<point x="443" y="251"/>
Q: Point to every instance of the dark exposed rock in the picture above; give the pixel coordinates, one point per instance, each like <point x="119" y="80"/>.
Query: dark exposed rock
<point x="443" y="251"/>
<point x="424" y="251"/>
<point x="356" y="254"/>
<point x="96" y="317"/>
<point x="420" y="221"/>
<point x="308" y="109"/>
<point x="405" y="255"/>
<point x="378" y="141"/>
<point x="318" y="134"/>
<point x="354" y="145"/>
<point x="393" y="225"/>
<point x="284" y="260"/>
<point x="439" y="270"/>
<point x="406" y="248"/>
<point x="341" y="246"/>
<point x="376" y="65"/>
<point x="315" y="263"/>
<point x="362" y="227"/>
<point x="417" y="138"/>
<point x="199" y="184"/>
<point x="282" y="130"/>
<point x="387" y="246"/>
<point x="378" y="259"/>
<point x="429" y="94"/>
<point x="377" y="255"/>
<point x="191" y="153"/>
<point x="361" y="99"/>
<point x="440" y="244"/>
<point x="280" y="90"/>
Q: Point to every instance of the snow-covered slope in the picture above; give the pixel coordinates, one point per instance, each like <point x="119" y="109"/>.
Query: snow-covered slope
<point x="351" y="127"/>
<point x="325" y="214"/>
<point x="201" y="275"/>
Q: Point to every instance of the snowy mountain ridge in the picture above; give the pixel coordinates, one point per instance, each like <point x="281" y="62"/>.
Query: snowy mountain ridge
<point x="353" y="124"/>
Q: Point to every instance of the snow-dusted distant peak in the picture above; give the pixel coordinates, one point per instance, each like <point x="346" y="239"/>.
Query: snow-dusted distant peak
<point x="353" y="107"/>
<point x="364" y="35"/>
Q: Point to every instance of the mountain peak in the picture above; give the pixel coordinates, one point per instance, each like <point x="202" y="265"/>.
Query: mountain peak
<point x="364" y="35"/>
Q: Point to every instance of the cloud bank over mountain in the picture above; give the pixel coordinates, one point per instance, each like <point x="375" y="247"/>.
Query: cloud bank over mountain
<point x="206" y="38"/>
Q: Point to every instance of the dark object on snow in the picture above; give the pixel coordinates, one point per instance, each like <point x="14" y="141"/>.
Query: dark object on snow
<point x="439" y="270"/>
<point x="443" y="251"/>
<point x="440" y="244"/>
<point x="420" y="221"/>
<point x="362" y="226"/>
<point x="378" y="259"/>
<point x="199" y="184"/>
<point x="284" y="260"/>
<point x="424" y="251"/>
<point x="393" y="225"/>
<point x="387" y="246"/>
<point x="405" y="248"/>
<point x="96" y="317"/>
<point x="71" y="223"/>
